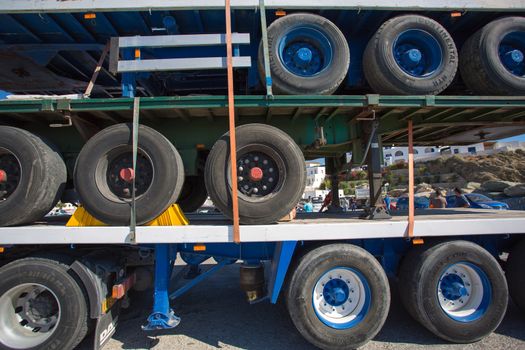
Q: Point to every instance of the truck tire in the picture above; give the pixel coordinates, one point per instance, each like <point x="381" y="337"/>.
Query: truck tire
<point x="271" y="170"/>
<point x="455" y="289"/>
<point x="410" y="55"/>
<point x="32" y="176"/>
<point x="103" y="175"/>
<point x="308" y="55"/>
<point x="492" y="59"/>
<point x="42" y="306"/>
<point x="338" y="296"/>
<point x="516" y="276"/>
<point x="193" y="194"/>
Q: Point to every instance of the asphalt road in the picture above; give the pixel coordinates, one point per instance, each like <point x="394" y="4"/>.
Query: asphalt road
<point x="215" y="316"/>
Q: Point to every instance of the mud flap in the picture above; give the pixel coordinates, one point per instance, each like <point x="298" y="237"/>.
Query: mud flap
<point x="106" y="326"/>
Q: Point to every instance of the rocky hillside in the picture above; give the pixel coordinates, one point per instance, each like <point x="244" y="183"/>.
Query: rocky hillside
<point x="506" y="166"/>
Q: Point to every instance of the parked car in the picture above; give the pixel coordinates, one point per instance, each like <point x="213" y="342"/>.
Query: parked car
<point x="478" y="201"/>
<point x="419" y="203"/>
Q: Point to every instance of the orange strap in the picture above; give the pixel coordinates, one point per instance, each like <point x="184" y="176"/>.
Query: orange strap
<point x="231" y="112"/>
<point x="410" y="180"/>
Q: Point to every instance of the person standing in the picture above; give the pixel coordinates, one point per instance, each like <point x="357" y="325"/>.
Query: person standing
<point x="461" y="200"/>
<point x="308" y="206"/>
<point x="439" y="201"/>
<point x="387" y="202"/>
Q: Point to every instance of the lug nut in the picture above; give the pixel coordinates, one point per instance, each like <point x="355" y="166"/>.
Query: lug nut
<point x="240" y="178"/>
<point x="255" y="190"/>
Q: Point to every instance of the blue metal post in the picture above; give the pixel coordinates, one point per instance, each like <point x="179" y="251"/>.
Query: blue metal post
<point x="128" y="81"/>
<point x="280" y="263"/>
<point x="162" y="316"/>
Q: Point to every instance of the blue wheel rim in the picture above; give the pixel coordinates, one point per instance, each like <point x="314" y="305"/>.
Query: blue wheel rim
<point x="418" y="53"/>
<point x="305" y="51"/>
<point x="341" y="297"/>
<point x="511" y="53"/>
<point x="464" y="292"/>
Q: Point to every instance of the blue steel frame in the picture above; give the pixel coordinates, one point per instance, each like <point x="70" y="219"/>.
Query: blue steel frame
<point x="280" y="255"/>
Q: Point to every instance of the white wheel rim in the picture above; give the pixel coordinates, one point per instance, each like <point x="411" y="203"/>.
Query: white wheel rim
<point x="21" y="329"/>
<point x="341" y="298"/>
<point x="464" y="292"/>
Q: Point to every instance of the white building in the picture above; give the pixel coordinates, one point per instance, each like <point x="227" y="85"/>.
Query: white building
<point x="315" y="174"/>
<point x="393" y="155"/>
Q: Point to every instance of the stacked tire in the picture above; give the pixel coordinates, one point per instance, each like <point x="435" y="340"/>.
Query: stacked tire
<point x="32" y="176"/>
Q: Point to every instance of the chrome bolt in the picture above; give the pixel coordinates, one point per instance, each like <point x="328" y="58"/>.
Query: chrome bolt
<point x="246" y="161"/>
<point x="256" y="158"/>
<point x="241" y="168"/>
<point x="255" y="190"/>
<point x="240" y="178"/>
<point x="265" y="162"/>
<point x="270" y="170"/>
<point x="270" y="179"/>
<point x="264" y="187"/>
<point x="246" y="187"/>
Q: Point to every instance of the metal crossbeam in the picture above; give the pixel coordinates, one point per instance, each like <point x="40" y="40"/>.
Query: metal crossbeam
<point x="180" y="64"/>
<point x="181" y="40"/>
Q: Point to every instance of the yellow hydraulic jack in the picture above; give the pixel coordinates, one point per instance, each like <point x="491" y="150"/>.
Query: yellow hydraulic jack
<point x="173" y="216"/>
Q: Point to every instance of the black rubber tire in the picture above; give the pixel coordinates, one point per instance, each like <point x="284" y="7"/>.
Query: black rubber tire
<point x="286" y="82"/>
<point x="515" y="274"/>
<point x="42" y="181"/>
<point x="193" y="194"/>
<point x="74" y="311"/>
<point x="480" y="65"/>
<point x="385" y="76"/>
<point x="163" y="191"/>
<point x="418" y="278"/>
<point x="309" y="269"/>
<point x="272" y="207"/>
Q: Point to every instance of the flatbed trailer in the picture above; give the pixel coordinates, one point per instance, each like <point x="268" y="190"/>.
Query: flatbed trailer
<point x="106" y="261"/>
<point x="454" y="267"/>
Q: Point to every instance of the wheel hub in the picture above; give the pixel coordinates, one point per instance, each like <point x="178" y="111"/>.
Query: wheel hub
<point x="305" y="51"/>
<point x="303" y="56"/>
<point x="412" y="57"/>
<point x="453" y="287"/>
<point x="341" y="298"/>
<point x="464" y="292"/>
<point x="120" y="175"/>
<point x="30" y="314"/>
<point x="511" y="53"/>
<point x="127" y="174"/>
<point x="10" y="174"/>
<point x="38" y="309"/>
<point x="336" y="292"/>
<point x="258" y="174"/>
<point x="417" y="53"/>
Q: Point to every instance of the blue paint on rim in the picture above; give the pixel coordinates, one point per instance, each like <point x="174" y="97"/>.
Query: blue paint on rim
<point x="511" y="52"/>
<point x="362" y="313"/>
<point x="418" y="53"/>
<point x="459" y="288"/>
<point x="305" y="51"/>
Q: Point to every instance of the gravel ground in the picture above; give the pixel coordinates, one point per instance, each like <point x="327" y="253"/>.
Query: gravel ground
<point x="215" y="315"/>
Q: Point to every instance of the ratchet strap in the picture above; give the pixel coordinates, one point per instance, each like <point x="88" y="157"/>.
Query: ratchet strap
<point x="231" y="112"/>
<point x="135" y="141"/>
<point x="266" y="54"/>
<point x="410" y="180"/>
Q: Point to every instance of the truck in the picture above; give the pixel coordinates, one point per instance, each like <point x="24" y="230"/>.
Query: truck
<point x="121" y="107"/>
